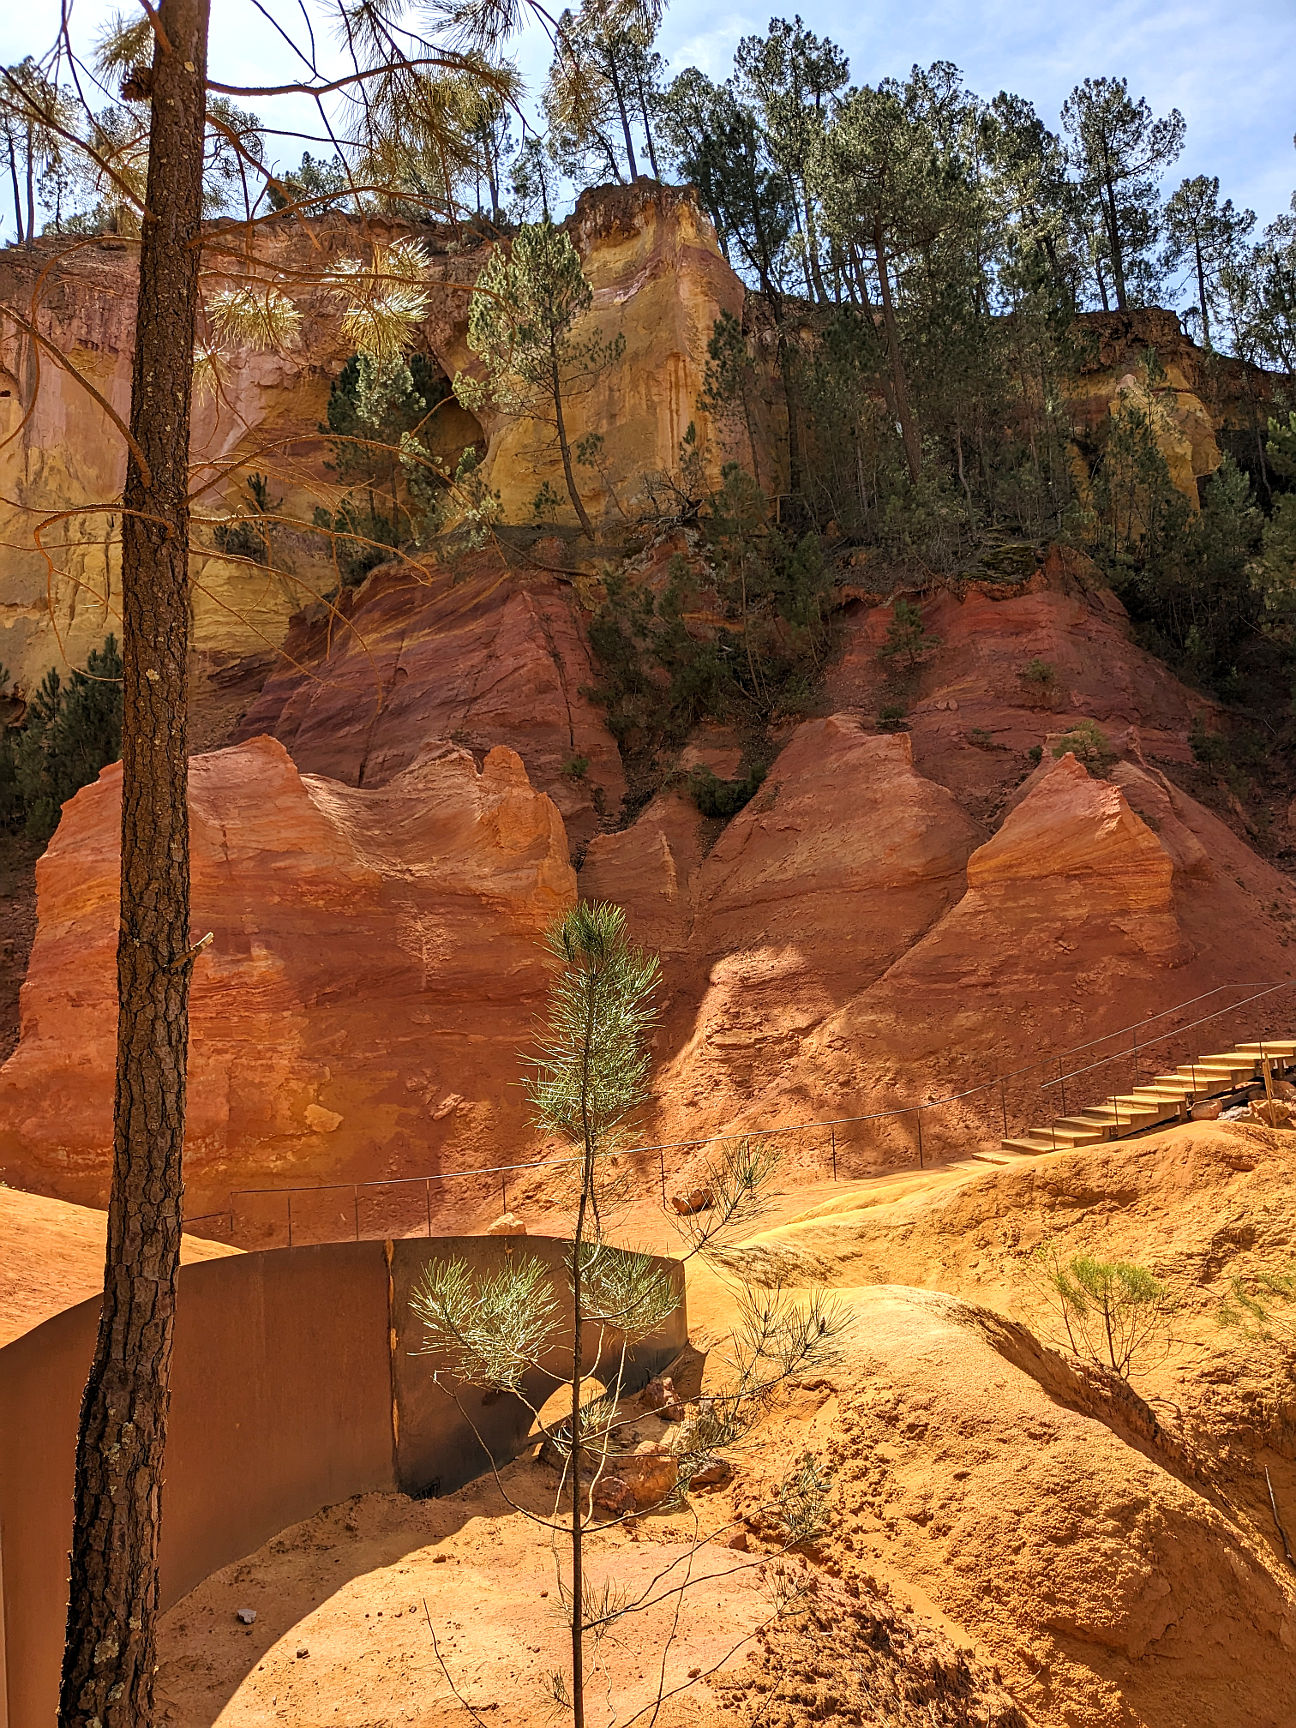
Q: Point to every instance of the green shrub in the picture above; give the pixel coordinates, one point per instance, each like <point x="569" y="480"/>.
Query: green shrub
<point x="723" y="798"/>
<point x="360" y="538"/>
<point x="893" y="717"/>
<point x="246" y="536"/>
<point x="1089" y="744"/>
<point x="69" y="732"/>
<point x="907" y="639"/>
<point x="1109" y="1312"/>
<point x="1210" y="749"/>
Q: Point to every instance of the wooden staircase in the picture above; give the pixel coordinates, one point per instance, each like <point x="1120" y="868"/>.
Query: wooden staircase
<point x="1165" y="1099"/>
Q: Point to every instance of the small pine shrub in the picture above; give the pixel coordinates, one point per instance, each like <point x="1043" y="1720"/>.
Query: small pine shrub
<point x="1210" y="749"/>
<point x="1089" y="744"/>
<point x="907" y="639"/>
<point x="1111" y="1313"/>
<point x="893" y="717"/>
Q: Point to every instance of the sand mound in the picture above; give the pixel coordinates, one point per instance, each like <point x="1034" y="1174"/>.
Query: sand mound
<point x="52" y="1256"/>
<point x="1014" y="1537"/>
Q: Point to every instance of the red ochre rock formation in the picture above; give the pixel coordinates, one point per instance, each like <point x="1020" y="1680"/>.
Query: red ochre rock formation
<point x="898" y="917"/>
<point x="976" y="713"/>
<point x="893" y="917"/>
<point x="376" y="969"/>
<point x="480" y="655"/>
<point x="1078" y="916"/>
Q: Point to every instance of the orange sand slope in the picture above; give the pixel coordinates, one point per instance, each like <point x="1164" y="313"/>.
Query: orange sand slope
<point x="1012" y="1539"/>
<point x="51" y="1257"/>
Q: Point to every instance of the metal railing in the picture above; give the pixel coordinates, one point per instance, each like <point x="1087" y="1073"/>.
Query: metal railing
<point x="407" y="1206"/>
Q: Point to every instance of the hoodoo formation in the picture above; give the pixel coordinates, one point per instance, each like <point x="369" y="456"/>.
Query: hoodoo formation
<point x="719" y="1148"/>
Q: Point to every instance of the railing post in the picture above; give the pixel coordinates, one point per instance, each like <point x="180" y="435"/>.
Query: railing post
<point x="427" y="1199"/>
<point x="1062" y="1084"/>
<point x="504" y="1188"/>
<point x="833" y="1134"/>
<point x="1003" y="1105"/>
<point x="918" y="1114"/>
<point x="661" y="1160"/>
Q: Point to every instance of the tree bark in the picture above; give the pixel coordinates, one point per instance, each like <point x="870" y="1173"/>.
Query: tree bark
<point x="560" y="425"/>
<point x="621" y="110"/>
<point x="1113" y="240"/>
<point x="1201" y="291"/>
<point x="900" y="384"/>
<point x="31" y="185"/>
<point x="110" y="1653"/>
<point x="17" y="195"/>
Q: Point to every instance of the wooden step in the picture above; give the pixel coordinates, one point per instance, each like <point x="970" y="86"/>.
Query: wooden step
<point x="1075" y="1130"/>
<point x="1122" y="1117"/>
<point x="1137" y="1102"/>
<point x="1216" y="1071"/>
<point x="1283" y="1048"/>
<point x="1152" y="1095"/>
<point x="1034" y="1144"/>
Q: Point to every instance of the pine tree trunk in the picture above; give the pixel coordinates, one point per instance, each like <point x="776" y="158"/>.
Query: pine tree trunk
<point x="110" y="1654"/>
<point x="31" y="187"/>
<point x="647" y="124"/>
<point x="1113" y="240"/>
<point x="565" y="448"/>
<point x="1201" y="294"/>
<point x="900" y="384"/>
<point x="17" y="195"/>
<point x="625" y="118"/>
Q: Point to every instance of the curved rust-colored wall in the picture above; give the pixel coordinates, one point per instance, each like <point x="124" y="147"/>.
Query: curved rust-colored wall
<point x="296" y="1383"/>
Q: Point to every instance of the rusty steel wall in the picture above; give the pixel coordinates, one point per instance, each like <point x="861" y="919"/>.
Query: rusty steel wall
<point x="296" y="1383"/>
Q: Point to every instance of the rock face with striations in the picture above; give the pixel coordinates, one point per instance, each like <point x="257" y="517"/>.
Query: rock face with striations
<point x="659" y="282"/>
<point x="376" y="969"/>
<point x="481" y="657"/>
<point x="895" y="918"/>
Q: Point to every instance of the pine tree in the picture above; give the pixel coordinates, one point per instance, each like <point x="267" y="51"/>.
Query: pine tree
<point x="1206" y="235"/>
<point x="1119" y="152"/>
<point x="521" y="326"/>
<point x="792" y="77"/>
<point x="603" y="82"/>
<point x="503" y="1331"/>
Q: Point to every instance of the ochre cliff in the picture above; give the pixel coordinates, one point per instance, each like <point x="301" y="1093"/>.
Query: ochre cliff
<point x="659" y="283"/>
<point x="1198" y="404"/>
<point x="375" y="969"/>
<point x="479" y="655"/>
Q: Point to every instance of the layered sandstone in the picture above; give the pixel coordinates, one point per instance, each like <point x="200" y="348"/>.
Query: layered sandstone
<point x="1197" y="404"/>
<point x="375" y="971"/>
<point x="480" y="655"/>
<point x="659" y="284"/>
<point x="899" y="918"/>
<point x="974" y="710"/>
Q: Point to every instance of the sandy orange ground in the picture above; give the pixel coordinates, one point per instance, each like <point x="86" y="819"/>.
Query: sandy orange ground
<point x="52" y="1257"/>
<point x="1007" y="1546"/>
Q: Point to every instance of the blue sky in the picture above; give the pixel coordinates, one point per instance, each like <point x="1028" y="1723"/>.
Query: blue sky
<point x="1230" y="68"/>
